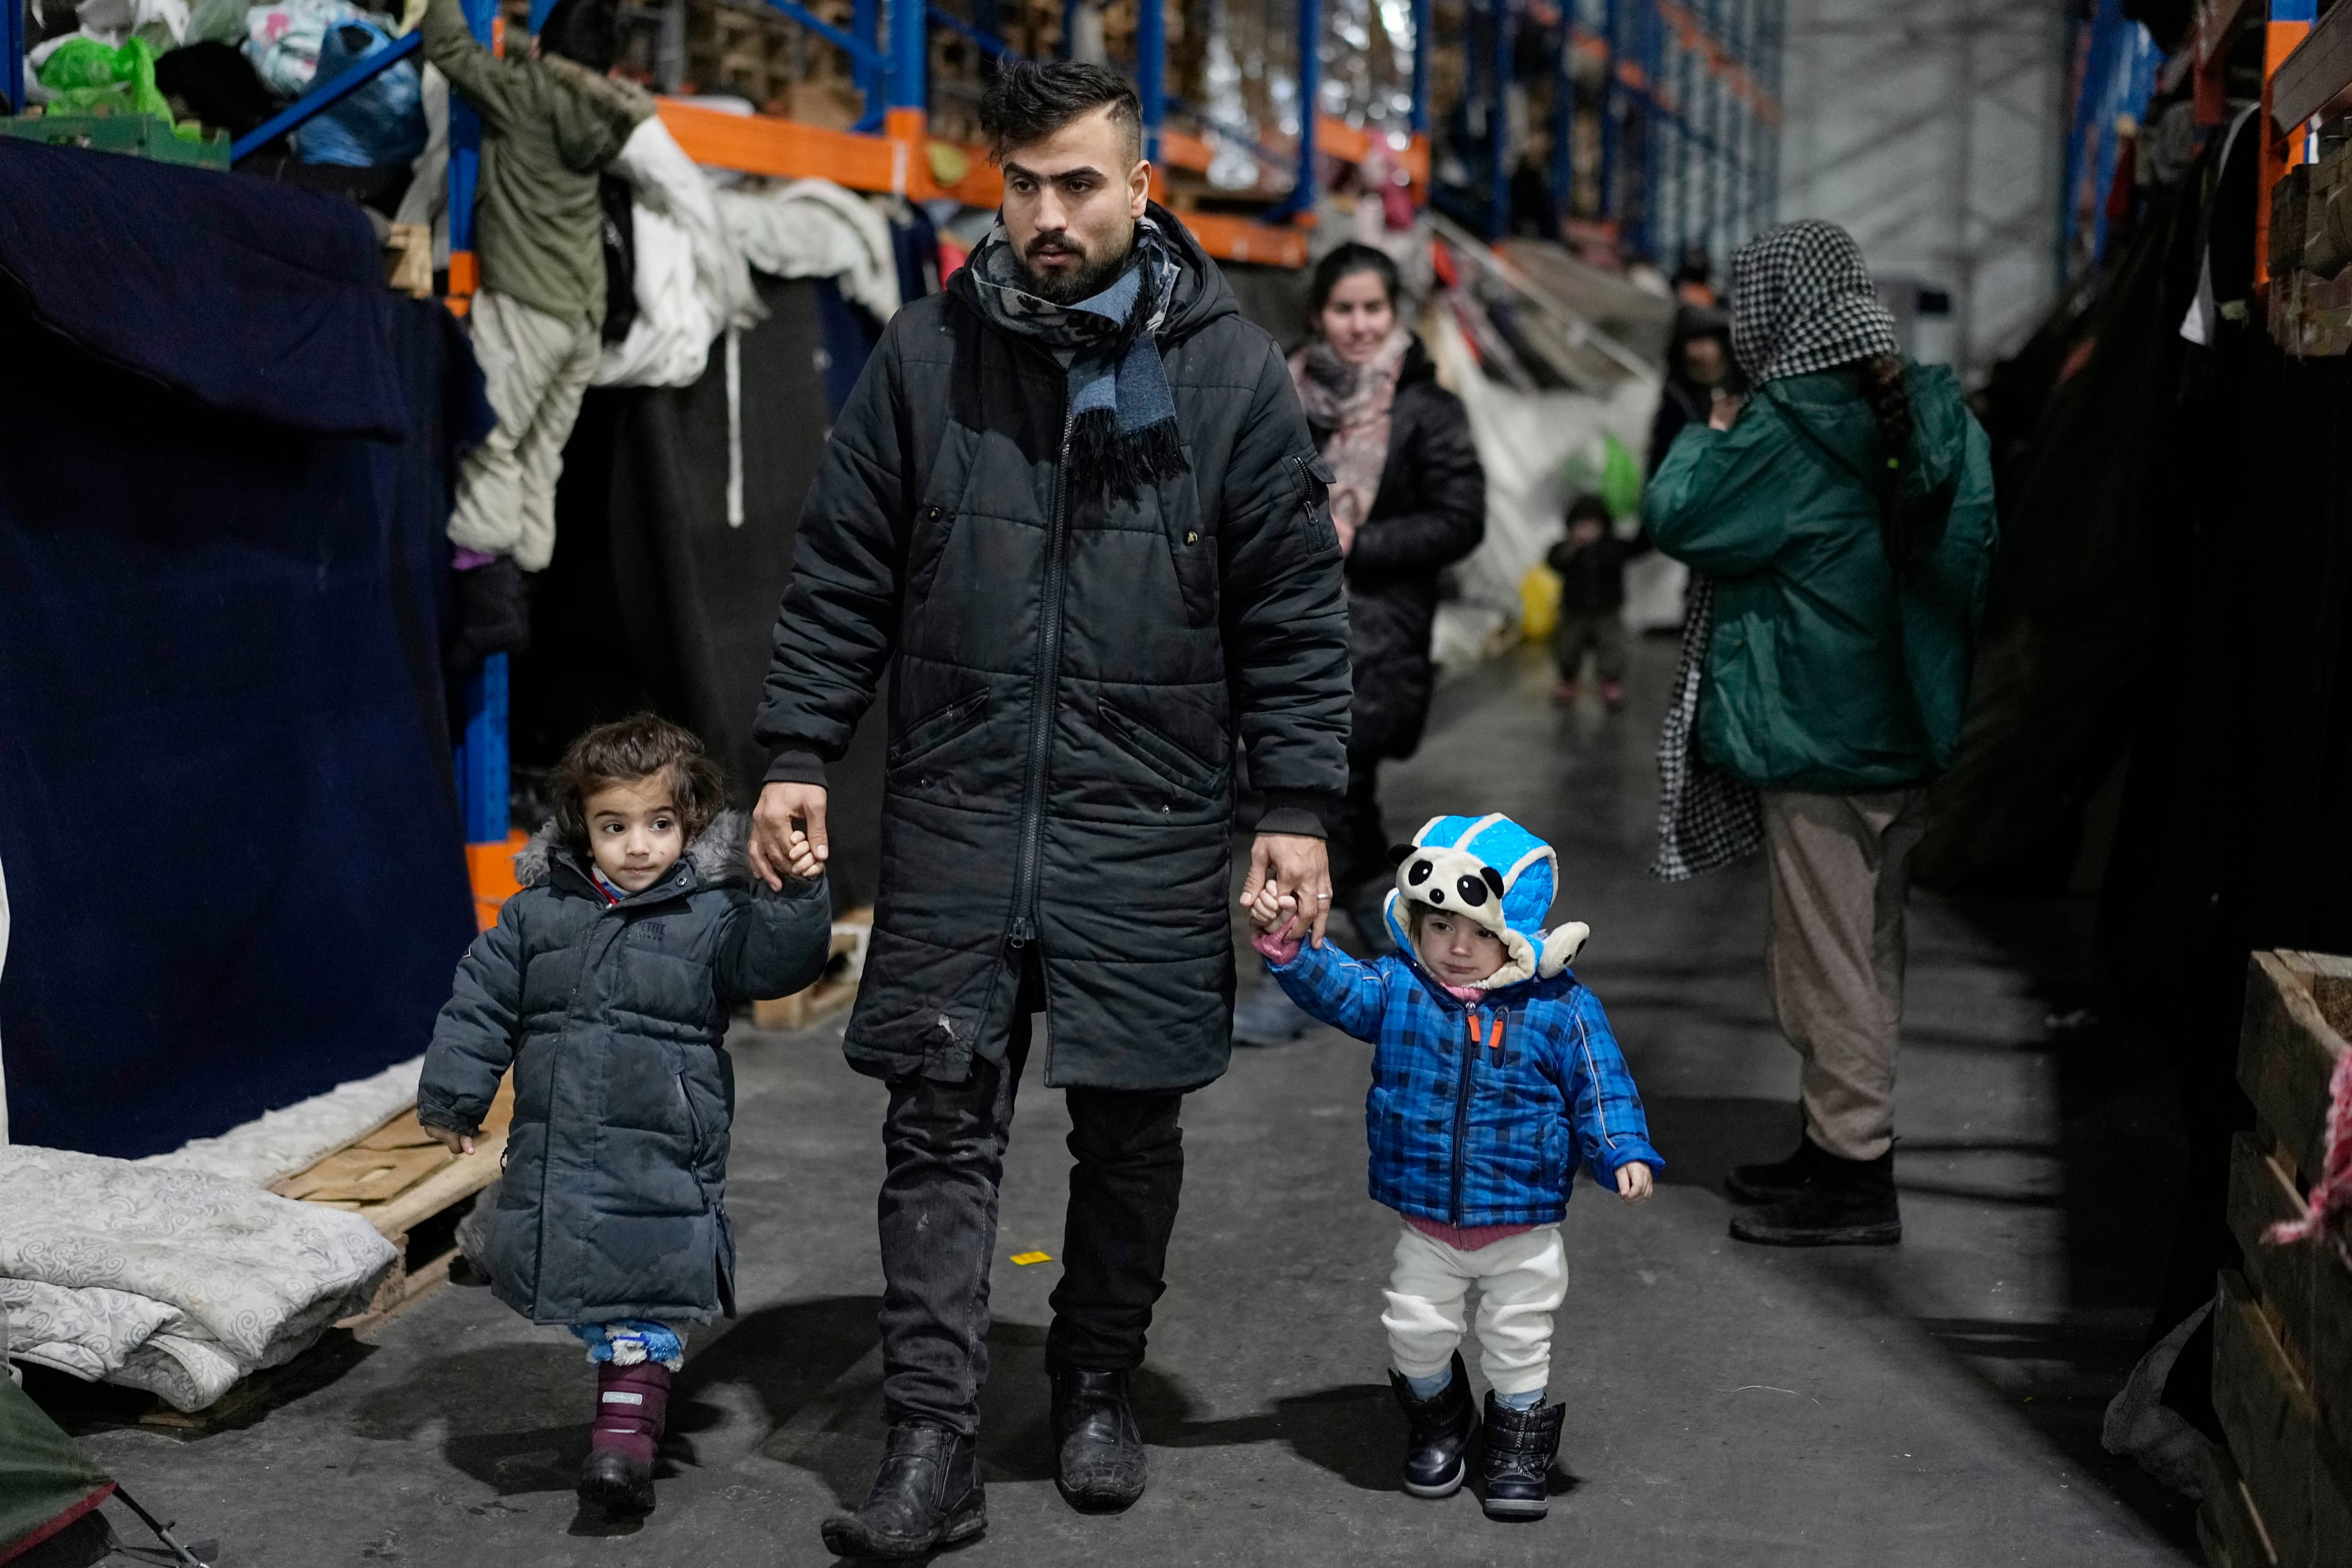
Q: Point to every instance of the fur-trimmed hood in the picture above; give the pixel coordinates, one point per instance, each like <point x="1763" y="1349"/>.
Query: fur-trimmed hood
<point x="719" y="853"/>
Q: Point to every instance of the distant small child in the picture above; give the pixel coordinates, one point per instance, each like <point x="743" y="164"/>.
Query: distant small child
<point x="1494" y="1072"/>
<point x="1591" y="562"/>
<point x="607" y="984"/>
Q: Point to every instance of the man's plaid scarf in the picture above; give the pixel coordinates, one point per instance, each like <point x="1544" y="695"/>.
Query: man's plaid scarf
<point x="1123" y="433"/>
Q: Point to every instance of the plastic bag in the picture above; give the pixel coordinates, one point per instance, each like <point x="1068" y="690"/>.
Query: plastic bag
<point x="381" y="124"/>
<point x="87" y="76"/>
<point x="1538" y="604"/>
<point x="1620" y="479"/>
<point x="282" y="40"/>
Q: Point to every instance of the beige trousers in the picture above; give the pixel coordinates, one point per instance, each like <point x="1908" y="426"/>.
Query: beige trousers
<point x="1841" y="868"/>
<point x="537" y="368"/>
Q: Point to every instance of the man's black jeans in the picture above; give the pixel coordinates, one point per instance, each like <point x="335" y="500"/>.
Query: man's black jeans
<point x="945" y="1146"/>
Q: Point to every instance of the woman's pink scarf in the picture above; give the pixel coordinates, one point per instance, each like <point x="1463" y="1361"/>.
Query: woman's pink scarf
<point x="1354" y="401"/>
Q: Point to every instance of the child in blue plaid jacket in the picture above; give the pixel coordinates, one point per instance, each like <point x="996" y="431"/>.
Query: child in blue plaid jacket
<point x="1494" y="1072"/>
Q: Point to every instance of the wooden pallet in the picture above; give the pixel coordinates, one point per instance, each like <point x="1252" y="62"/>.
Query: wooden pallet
<point x="2281" y="1494"/>
<point x="404" y="1184"/>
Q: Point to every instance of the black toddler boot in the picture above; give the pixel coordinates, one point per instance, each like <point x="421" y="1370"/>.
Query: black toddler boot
<point x="1849" y="1203"/>
<point x="1437" y="1435"/>
<point x="1521" y="1447"/>
<point x="926" y="1496"/>
<point x="1099" y="1452"/>
<point x="1779" y="1181"/>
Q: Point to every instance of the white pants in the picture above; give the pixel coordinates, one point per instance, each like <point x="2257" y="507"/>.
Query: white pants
<point x="1522" y="1280"/>
<point x="537" y="368"/>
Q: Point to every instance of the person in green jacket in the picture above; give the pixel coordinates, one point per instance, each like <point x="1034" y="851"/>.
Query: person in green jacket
<point x="551" y="123"/>
<point x="1839" y="520"/>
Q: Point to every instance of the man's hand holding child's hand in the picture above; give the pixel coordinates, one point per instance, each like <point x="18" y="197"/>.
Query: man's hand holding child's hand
<point x="456" y="1143"/>
<point x="1634" y="1183"/>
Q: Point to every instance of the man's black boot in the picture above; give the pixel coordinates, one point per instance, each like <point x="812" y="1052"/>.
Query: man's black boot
<point x="926" y="1496"/>
<point x="1521" y="1447"/>
<point x="1779" y="1181"/>
<point x="1098" y="1453"/>
<point x="1437" y="1434"/>
<point x="1849" y="1203"/>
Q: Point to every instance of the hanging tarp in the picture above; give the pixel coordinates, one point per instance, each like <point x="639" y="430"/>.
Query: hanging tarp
<point x="236" y="873"/>
<point x="692" y="496"/>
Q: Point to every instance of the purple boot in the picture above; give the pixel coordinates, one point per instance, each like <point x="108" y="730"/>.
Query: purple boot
<point x="630" y="1403"/>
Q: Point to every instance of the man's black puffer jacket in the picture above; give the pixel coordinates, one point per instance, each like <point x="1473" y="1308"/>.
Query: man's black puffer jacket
<point x="1431" y="512"/>
<point x="1062" y="724"/>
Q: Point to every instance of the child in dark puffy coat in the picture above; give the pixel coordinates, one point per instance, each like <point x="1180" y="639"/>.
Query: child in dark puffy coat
<point x="1494" y="1073"/>
<point x="607" y="984"/>
<point x="1590" y="561"/>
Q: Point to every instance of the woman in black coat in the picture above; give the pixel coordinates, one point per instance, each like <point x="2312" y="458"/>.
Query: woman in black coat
<point x="1408" y="499"/>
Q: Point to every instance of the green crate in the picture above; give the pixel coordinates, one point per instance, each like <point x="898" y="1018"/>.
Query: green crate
<point x="140" y="135"/>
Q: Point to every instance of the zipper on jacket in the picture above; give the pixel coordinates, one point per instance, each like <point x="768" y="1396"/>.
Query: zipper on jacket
<point x="1041" y="708"/>
<point x="1469" y="1046"/>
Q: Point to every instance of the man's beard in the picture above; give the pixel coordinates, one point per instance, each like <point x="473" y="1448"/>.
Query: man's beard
<point x="1092" y="277"/>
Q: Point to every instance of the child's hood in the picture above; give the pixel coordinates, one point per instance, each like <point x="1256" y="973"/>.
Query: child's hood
<point x="1491" y="871"/>
<point x="719" y="853"/>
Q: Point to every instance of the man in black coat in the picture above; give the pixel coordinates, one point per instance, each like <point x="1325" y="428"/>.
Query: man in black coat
<point x="1073" y="508"/>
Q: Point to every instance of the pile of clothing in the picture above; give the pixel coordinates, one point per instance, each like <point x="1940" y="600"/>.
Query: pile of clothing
<point x="229" y="64"/>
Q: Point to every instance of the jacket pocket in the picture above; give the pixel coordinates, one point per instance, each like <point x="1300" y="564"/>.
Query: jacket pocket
<point x="698" y="1141"/>
<point x="933" y="526"/>
<point x="1315" y="477"/>
<point x="930" y="733"/>
<point x="1192" y="546"/>
<point x="1175" y="764"/>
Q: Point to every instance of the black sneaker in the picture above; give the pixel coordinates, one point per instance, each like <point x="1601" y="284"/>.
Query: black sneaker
<point x="1851" y="1203"/>
<point x="927" y="1495"/>
<point x="1776" y="1182"/>
<point x="1520" y="1447"/>
<point x="1437" y="1434"/>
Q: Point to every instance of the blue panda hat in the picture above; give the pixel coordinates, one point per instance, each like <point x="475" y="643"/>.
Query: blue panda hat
<point x="1491" y="871"/>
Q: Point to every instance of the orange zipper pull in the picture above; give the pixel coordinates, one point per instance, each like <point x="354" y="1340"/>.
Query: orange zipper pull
<point x="1472" y="1014"/>
<point x="1495" y="1040"/>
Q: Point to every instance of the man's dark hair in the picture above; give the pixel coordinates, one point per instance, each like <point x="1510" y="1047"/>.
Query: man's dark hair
<point x="1028" y="102"/>
<point x="586" y="32"/>
<point x="627" y="750"/>
<point x="1347" y="261"/>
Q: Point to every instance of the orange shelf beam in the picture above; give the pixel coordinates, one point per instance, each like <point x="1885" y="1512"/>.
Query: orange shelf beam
<point x="1232" y="238"/>
<point x="901" y="165"/>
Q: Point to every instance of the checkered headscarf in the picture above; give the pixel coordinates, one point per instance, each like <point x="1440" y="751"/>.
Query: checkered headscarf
<point x="1802" y="301"/>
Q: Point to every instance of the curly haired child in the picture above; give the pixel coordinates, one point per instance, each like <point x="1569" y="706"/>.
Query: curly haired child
<point x="607" y="985"/>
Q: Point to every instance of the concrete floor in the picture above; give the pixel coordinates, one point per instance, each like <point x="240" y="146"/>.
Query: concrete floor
<point x="1935" y="1403"/>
